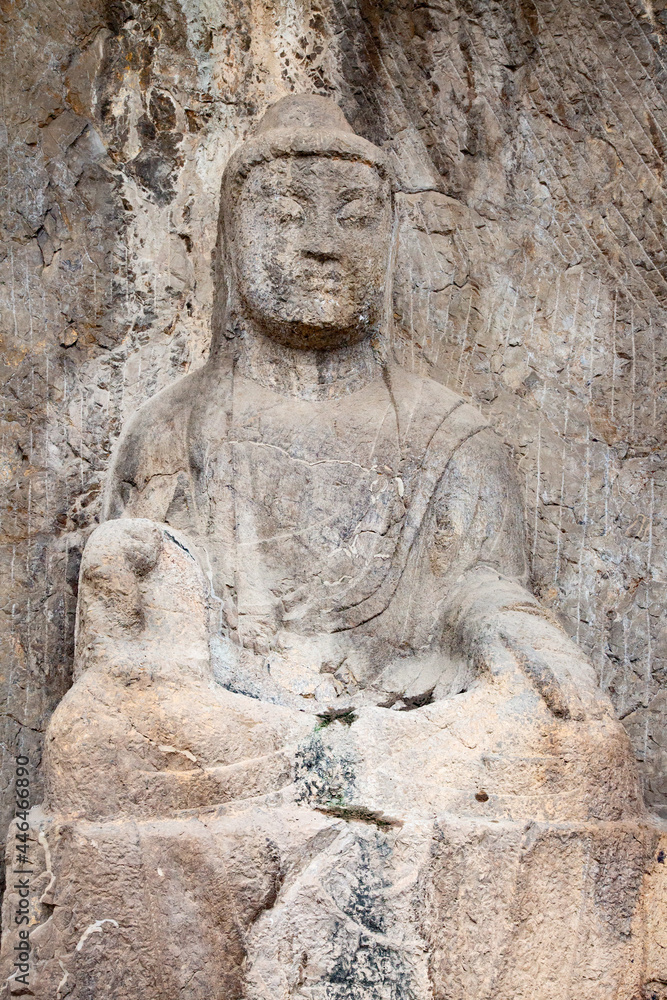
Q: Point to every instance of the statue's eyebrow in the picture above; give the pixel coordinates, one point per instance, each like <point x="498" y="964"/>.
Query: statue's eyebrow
<point x="282" y="184"/>
<point x="358" y="191"/>
<point x="280" y="188"/>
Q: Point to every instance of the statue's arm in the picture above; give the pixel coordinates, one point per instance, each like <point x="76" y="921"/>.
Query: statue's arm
<point x="149" y="467"/>
<point x="491" y="616"/>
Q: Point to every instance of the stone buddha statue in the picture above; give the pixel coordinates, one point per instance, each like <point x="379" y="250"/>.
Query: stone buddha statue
<point x="323" y="742"/>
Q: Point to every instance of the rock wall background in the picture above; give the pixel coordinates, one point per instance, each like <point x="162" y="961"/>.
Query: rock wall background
<point x="529" y="138"/>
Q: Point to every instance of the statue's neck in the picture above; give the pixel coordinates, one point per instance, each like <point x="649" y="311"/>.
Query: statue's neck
<point x="307" y="374"/>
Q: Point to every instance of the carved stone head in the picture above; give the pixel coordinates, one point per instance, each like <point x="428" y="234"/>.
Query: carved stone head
<point x="305" y="220"/>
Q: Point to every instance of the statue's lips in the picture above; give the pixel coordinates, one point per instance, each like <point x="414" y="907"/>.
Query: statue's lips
<point x="325" y="281"/>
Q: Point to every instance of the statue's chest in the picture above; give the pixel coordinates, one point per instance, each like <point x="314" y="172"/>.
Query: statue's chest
<point x="324" y="510"/>
<point x="315" y="496"/>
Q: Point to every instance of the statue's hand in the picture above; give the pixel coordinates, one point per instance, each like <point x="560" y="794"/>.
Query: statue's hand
<point x="529" y="641"/>
<point x="143" y="602"/>
<point x="118" y="555"/>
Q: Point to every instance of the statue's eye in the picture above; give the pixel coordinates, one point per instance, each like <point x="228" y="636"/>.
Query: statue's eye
<point x="286" y="210"/>
<point x="355" y="213"/>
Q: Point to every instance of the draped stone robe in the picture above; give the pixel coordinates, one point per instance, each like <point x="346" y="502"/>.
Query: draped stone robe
<point x="342" y="536"/>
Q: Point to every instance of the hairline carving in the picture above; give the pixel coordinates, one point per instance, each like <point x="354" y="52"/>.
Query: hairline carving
<point x="297" y="144"/>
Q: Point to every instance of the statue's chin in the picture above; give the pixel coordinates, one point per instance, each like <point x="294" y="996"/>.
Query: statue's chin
<point x="304" y="331"/>
<point x="308" y="337"/>
<point x="312" y="321"/>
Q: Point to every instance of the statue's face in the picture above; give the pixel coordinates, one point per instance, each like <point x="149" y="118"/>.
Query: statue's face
<point x="311" y="243"/>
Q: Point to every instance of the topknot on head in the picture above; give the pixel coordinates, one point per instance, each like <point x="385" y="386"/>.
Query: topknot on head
<point x="304" y="111"/>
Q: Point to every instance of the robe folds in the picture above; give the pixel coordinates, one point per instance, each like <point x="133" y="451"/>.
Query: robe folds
<point x="343" y="530"/>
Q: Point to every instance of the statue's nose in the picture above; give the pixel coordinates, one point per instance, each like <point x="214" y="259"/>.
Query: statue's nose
<point x="321" y="241"/>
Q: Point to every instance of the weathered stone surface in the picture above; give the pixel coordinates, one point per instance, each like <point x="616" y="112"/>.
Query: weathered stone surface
<point x="316" y="709"/>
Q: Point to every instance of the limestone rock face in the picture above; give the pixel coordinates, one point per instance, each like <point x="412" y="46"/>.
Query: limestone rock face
<point x="320" y="727"/>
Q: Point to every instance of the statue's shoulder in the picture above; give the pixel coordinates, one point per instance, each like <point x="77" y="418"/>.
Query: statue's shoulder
<point x="163" y="417"/>
<point x="154" y="442"/>
<point x="168" y="413"/>
<point x="428" y="410"/>
<point x="438" y="428"/>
